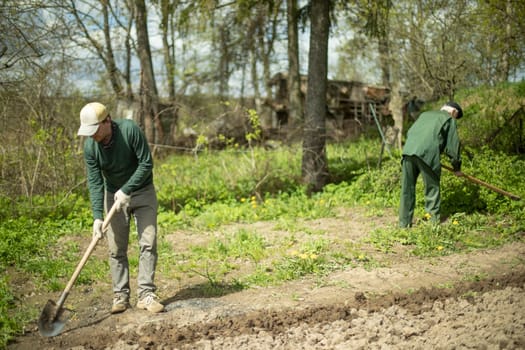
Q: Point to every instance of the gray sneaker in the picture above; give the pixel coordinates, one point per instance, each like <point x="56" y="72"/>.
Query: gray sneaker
<point x="149" y="302"/>
<point x="120" y="303"/>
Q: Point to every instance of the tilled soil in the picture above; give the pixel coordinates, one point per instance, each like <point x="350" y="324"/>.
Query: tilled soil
<point x="463" y="301"/>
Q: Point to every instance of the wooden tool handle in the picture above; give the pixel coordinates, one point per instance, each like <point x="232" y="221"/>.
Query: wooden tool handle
<point x="84" y="259"/>
<point x="483" y="183"/>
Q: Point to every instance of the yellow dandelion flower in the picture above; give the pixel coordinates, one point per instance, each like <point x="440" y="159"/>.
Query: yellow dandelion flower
<point x="455" y="222"/>
<point x="243" y="200"/>
<point x="439" y="247"/>
<point x="321" y="202"/>
<point x="313" y="256"/>
<point x="253" y="198"/>
<point x="303" y="256"/>
<point x="428" y="216"/>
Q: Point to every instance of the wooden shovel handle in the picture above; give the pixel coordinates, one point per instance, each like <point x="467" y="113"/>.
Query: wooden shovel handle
<point x="483" y="183"/>
<point x="84" y="259"/>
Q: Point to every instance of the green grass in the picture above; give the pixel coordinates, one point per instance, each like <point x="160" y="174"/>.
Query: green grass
<point x="202" y="193"/>
<point x="222" y="256"/>
<point x="191" y="182"/>
<point x="478" y="219"/>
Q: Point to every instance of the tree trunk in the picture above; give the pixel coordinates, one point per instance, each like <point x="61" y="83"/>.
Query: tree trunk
<point x="314" y="162"/>
<point x="266" y="40"/>
<point x="384" y="59"/>
<point x="110" y="58"/>
<point x="396" y="107"/>
<point x="505" y="59"/>
<point x="224" y="61"/>
<point x="255" y="77"/>
<point x="103" y="50"/>
<point x="127" y="70"/>
<point x="256" y="55"/>
<point x="149" y="96"/>
<point x="295" y="103"/>
<point x="166" y="12"/>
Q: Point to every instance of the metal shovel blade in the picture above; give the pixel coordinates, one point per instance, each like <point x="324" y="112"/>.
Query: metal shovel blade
<point x="54" y="316"/>
<point x="52" y="319"/>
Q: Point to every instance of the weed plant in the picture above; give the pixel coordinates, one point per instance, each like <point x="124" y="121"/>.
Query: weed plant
<point x="221" y="256"/>
<point x="190" y="182"/>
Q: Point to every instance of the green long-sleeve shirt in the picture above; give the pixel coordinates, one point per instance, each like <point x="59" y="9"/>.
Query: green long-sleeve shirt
<point x="126" y="165"/>
<point x="433" y="133"/>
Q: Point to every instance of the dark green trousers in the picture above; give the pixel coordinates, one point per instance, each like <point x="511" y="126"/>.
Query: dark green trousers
<point x="412" y="166"/>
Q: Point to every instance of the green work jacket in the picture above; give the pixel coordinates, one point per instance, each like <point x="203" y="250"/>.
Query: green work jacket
<point x="126" y="164"/>
<point x="433" y="133"/>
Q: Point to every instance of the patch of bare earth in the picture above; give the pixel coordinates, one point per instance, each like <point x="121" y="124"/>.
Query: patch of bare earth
<point x="465" y="301"/>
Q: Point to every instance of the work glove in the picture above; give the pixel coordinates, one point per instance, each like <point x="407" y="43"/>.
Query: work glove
<point x="97" y="229"/>
<point x="122" y="200"/>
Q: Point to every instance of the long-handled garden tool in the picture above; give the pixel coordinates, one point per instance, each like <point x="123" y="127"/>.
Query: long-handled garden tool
<point x="483" y="183"/>
<point x="53" y="318"/>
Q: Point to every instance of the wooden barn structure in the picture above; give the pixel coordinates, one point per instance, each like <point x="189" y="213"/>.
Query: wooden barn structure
<point x="346" y="101"/>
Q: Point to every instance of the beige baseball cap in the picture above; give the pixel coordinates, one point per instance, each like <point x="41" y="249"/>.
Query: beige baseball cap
<point x="90" y="116"/>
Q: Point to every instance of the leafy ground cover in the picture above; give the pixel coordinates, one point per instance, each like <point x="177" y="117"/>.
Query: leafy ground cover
<point x="303" y="250"/>
<point x="238" y="221"/>
<point x="365" y="298"/>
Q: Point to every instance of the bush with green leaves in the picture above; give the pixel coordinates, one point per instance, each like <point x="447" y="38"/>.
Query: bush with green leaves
<point x="494" y="117"/>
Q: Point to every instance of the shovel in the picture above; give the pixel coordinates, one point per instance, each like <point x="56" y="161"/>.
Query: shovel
<point x="53" y="319"/>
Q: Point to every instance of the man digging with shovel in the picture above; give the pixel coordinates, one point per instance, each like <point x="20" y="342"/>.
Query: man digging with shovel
<point x="119" y="170"/>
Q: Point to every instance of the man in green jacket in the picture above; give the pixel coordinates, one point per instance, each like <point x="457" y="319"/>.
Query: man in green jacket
<point x="433" y="133"/>
<point x="120" y="171"/>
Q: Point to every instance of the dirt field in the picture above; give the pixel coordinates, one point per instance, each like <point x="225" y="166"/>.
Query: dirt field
<point x="463" y="301"/>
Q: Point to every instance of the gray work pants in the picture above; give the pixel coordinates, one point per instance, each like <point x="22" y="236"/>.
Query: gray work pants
<point x="143" y="208"/>
<point x="413" y="166"/>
